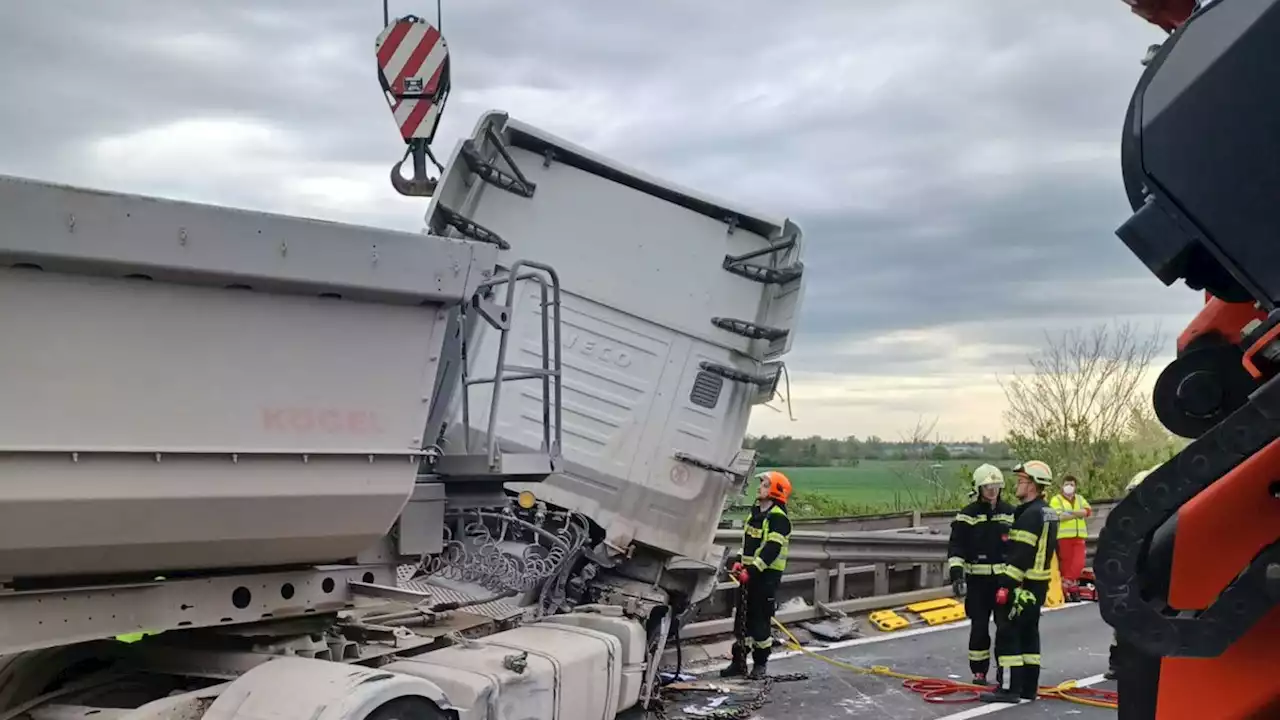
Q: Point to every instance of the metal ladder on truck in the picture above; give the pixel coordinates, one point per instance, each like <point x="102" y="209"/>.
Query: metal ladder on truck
<point x="484" y="464"/>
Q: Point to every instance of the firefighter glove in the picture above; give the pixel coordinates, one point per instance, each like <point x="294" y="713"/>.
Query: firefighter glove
<point x="957" y="573"/>
<point x="1022" y="599"/>
<point x="960" y="587"/>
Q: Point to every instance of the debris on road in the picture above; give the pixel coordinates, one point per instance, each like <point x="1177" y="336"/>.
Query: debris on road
<point x="835" y="627"/>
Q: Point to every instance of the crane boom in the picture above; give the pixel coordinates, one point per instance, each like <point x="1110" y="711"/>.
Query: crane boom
<point x="1189" y="563"/>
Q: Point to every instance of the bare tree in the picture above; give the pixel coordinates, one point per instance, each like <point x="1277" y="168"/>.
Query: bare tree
<point x="1078" y="405"/>
<point x="920" y="479"/>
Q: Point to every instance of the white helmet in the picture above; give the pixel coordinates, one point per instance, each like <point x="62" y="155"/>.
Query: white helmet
<point x="1037" y="470"/>
<point x="987" y="474"/>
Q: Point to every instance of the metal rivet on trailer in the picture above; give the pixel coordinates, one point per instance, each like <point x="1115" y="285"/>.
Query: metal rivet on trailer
<point x="235" y="458"/>
<point x="157" y="457"/>
<point x="306" y="459"/>
<point x="182" y="236"/>
<point x="71" y="222"/>
<point x="75" y="457"/>
<point x="284" y="249"/>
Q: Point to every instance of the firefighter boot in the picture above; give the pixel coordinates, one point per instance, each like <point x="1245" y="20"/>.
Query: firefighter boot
<point x="1030" y="682"/>
<point x="1012" y="694"/>
<point x="738" y="665"/>
<point x="760" y="662"/>
<point x="980" y="675"/>
<point x="979" y="669"/>
<point x="1111" y="664"/>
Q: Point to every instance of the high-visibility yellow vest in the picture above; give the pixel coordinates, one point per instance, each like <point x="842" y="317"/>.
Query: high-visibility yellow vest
<point x="1070" y="527"/>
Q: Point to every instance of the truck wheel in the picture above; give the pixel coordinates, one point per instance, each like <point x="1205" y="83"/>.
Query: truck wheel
<point x="408" y="708"/>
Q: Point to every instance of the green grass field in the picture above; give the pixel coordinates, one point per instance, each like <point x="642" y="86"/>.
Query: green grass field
<point x="875" y="486"/>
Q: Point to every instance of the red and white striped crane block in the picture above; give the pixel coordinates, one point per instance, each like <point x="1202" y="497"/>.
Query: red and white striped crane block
<point x="413" y="64"/>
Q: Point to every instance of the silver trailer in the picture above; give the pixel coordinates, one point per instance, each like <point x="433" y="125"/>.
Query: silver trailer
<point x="326" y="471"/>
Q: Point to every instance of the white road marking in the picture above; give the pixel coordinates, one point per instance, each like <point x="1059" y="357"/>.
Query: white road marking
<point x="885" y="637"/>
<point x="997" y="707"/>
<point x="978" y="711"/>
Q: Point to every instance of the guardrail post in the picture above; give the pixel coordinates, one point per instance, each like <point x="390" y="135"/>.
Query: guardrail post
<point x="881" y="585"/>
<point x="840" y="587"/>
<point x="922" y="570"/>
<point x="929" y="574"/>
<point x="822" y="585"/>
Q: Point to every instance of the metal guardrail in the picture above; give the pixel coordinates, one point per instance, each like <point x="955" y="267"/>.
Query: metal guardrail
<point x="722" y="626"/>
<point x="902" y="520"/>
<point x="828" y="548"/>
<point x="825" y="548"/>
<point x="834" y="566"/>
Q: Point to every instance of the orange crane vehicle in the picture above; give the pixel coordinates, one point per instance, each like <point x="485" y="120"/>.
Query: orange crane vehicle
<point x="1188" y="564"/>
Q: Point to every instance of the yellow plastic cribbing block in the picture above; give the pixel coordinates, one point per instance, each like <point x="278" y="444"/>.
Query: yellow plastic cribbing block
<point x="928" y="605"/>
<point x="1054" y="598"/>
<point x="944" y="615"/>
<point x="887" y="620"/>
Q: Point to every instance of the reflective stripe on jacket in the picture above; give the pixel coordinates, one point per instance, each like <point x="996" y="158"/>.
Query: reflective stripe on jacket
<point x="1071" y="527"/>
<point x="766" y="539"/>
<point x="1033" y="541"/>
<point x="977" y="537"/>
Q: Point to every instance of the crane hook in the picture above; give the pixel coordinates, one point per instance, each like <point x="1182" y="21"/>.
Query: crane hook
<point x="421" y="184"/>
<point x="413" y="70"/>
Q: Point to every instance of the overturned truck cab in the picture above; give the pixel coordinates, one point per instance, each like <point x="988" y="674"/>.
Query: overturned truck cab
<point x="675" y="310"/>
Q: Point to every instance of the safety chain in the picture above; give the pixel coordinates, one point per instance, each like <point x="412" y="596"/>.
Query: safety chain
<point x="658" y="710"/>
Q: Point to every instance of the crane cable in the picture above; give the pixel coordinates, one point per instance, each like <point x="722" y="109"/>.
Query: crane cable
<point x="940" y="690"/>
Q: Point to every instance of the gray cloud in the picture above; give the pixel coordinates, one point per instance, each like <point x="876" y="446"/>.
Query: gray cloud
<point x="955" y="166"/>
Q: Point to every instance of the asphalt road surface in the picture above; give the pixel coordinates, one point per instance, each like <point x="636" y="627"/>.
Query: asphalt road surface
<point x="1074" y="639"/>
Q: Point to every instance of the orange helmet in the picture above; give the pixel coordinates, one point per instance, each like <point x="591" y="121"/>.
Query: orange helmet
<point x="779" y="485"/>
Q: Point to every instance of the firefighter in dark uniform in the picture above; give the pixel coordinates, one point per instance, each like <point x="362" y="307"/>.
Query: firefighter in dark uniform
<point x="1024" y="585"/>
<point x="759" y="571"/>
<point x="974" y="557"/>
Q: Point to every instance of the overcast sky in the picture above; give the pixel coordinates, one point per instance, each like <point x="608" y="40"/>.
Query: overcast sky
<point x="954" y="165"/>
